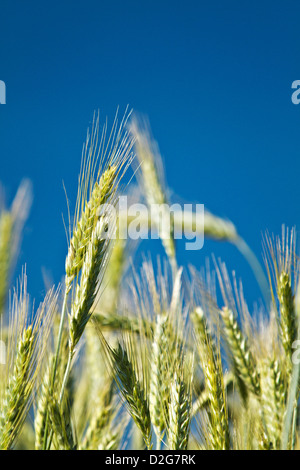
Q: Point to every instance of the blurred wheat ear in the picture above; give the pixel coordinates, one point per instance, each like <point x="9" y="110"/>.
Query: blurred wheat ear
<point x="11" y="226"/>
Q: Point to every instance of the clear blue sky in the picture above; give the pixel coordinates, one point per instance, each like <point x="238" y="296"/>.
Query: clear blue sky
<point x="214" y="79"/>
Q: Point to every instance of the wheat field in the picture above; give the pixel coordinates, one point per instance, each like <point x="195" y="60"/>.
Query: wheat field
<point x="126" y="356"/>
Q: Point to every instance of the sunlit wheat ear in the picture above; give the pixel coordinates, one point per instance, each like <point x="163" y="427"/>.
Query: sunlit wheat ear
<point x="214" y="382"/>
<point x="242" y="359"/>
<point x="87" y="289"/>
<point x="128" y="370"/>
<point x="152" y="182"/>
<point x="180" y="408"/>
<point x="25" y="355"/>
<point x="283" y="270"/>
<point x="105" y="159"/>
<point x="85" y="227"/>
<point x="16" y="397"/>
<point x="273" y="399"/>
<point x="160" y="308"/>
<point x="165" y="355"/>
<point x="288" y="322"/>
<point x="159" y="374"/>
<point x="44" y="395"/>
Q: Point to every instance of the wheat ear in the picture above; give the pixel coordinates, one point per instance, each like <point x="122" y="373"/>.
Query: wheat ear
<point x="179" y="414"/>
<point x="273" y="399"/>
<point x="159" y="376"/>
<point x="214" y="383"/>
<point x="86" y="291"/>
<point x="17" y="394"/>
<point x="283" y="268"/>
<point x="42" y="406"/>
<point x="288" y="324"/>
<point x="133" y="392"/>
<point x="82" y="233"/>
<point x="25" y="354"/>
<point x="244" y="364"/>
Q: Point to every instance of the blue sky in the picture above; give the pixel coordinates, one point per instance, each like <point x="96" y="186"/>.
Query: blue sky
<point x="214" y="78"/>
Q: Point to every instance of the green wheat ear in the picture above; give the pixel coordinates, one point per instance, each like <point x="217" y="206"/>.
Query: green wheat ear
<point x="14" y="402"/>
<point x="104" y="161"/>
<point x="25" y="353"/>
<point x="160" y="370"/>
<point x="283" y="271"/>
<point x="273" y="399"/>
<point x="83" y="231"/>
<point x="244" y="364"/>
<point x="42" y="406"/>
<point x="124" y="371"/>
<point x="179" y="416"/>
<point x="87" y="289"/>
<point x="214" y="382"/>
<point x="288" y="324"/>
